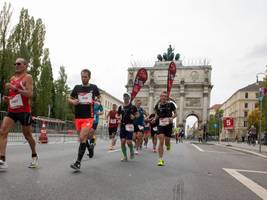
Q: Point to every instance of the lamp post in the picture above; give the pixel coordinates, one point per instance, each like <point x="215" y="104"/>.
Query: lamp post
<point x="262" y="93"/>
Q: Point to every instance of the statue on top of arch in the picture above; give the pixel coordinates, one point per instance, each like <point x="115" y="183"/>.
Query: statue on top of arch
<point x="169" y="56"/>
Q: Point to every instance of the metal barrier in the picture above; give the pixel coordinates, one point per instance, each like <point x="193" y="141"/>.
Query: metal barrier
<point x="58" y="131"/>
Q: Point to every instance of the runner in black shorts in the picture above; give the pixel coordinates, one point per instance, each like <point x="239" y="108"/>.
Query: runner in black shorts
<point x="153" y="130"/>
<point x="112" y="125"/>
<point x="128" y="113"/>
<point x="165" y="113"/>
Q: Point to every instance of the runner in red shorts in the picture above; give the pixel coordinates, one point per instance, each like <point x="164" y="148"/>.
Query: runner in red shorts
<point x="82" y="97"/>
<point x="112" y="125"/>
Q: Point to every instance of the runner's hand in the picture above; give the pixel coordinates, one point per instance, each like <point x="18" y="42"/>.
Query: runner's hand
<point x="171" y="120"/>
<point x="10" y="86"/>
<point x="6" y="99"/>
<point x="75" y="102"/>
<point x="132" y="117"/>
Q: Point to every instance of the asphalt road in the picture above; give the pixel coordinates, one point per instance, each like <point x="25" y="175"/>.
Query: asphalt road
<point x="201" y="172"/>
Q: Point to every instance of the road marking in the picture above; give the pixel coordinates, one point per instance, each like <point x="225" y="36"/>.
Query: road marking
<point x="112" y="151"/>
<point x="254" y="187"/>
<point x="198" y="148"/>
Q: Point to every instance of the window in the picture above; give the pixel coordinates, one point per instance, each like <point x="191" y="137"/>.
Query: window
<point x="245" y="124"/>
<point x="246" y="114"/>
<point x="246" y="105"/>
<point x="246" y="95"/>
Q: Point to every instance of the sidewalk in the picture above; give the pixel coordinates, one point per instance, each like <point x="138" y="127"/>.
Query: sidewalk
<point x="244" y="147"/>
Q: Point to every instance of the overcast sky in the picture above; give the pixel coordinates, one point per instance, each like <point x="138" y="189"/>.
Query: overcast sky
<point x="106" y="35"/>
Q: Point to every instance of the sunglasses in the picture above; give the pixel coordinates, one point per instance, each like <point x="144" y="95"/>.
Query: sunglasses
<point x="18" y="64"/>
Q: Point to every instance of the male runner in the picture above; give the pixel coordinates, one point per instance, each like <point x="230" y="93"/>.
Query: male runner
<point x="146" y="131"/>
<point x="83" y="97"/>
<point x="112" y="125"/>
<point x="20" y="90"/>
<point x="128" y="113"/>
<point x="91" y="142"/>
<point x="154" y="130"/>
<point x="166" y="112"/>
<point x="139" y="124"/>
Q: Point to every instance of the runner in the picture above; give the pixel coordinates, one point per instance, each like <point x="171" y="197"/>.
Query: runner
<point x="91" y="142"/>
<point x="166" y="112"/>
<point x="20" y="90"/>
<point x="177" y="134"/>
<point x="82" y="97"/>
<point x="154" y="130"/>
<point x="146" y="130"/>
<point x="112" y="125"/>
<point x="128" y="113"/>
<point x="139" y="124"/>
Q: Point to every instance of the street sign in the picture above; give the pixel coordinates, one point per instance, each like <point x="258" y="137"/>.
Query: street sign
<point x="228" y="123"/>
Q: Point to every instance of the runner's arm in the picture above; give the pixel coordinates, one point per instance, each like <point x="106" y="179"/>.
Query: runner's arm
<point x="28" y="90"/>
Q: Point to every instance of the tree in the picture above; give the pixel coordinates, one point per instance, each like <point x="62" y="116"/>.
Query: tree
<point x="61" y="108"/>
<point x="5" y="70"/>
<point x="45" y="86"/>
<point x="254" y="118"/>
<point x="215" y="123"/>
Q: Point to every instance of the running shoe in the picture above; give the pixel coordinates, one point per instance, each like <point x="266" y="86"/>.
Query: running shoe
<point x="34" y="163"/>
<point x="3" y="164"/>
<point x="124" y="159"/>
<point x="76" y="165"/>
<point x="161" y="162"/>
<point x="136" y="152"/>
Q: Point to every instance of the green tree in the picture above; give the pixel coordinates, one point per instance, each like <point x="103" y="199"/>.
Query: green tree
<point x="5" y="52"/>
<point x="254" y="118"/>
<point x="45" y="86"/>
<point x="61" y="108"/>
<point x="215" y="119"/>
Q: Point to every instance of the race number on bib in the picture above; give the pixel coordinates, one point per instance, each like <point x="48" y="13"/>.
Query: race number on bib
<point x="129" y="127"/>
<point x="16" y="102"/>
<point x="113" y="121"/>
<point x="164" y="121"/>
<point x="85" y="98"/>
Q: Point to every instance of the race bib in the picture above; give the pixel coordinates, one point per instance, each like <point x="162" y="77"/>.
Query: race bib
<point x="164" y="121"/>
<point x="85" y="98"/>
<point x="129" y="127"/>
<point x="140" y="127"/>
<point x="16" y="102"/>
<point x="113" y="121"/>
<point x="155" y="128"/>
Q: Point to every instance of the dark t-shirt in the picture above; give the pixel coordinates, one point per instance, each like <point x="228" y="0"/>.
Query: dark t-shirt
<point x="86" y="96"/>
<point x="125" y="112"/>
<point x="165" y="110"/>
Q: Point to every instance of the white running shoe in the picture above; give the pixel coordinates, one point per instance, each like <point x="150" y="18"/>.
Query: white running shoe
<point x="34" y="163"/>
<point x="3" y="164"/>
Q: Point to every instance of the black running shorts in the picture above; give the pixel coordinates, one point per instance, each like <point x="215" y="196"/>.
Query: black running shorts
<point x="24" y="118"/>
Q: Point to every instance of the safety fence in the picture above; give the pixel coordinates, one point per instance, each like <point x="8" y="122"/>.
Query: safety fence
<point x="57" y="131"/>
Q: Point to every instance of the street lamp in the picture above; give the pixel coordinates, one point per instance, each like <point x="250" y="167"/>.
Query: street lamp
<point x="262" y="92"/>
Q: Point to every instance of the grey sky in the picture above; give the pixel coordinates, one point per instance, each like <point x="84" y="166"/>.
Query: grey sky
<point x="105" y="36"/>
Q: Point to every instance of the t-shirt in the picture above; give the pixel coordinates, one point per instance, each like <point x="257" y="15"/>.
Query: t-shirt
<point x="86" y="96"/>
<point x="113" y="121"/>
<point x="164" y="111"/>
<point x="141" y="119"/>
<point x="97" y="108"/>
<point x="125" y="112"/>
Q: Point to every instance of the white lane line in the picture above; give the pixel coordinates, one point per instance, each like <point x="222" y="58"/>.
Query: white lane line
<point x="254" y="187"/>
<point x="252" y="171"/>
<point x="197" y="147"/>
<point x="112" y="151"/>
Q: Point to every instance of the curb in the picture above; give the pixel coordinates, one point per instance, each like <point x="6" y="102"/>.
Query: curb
<point x="243" y="150"/>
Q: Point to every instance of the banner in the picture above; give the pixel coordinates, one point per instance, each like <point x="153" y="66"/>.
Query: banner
<point x="171" y="76"/>
<point x="228" y="123"/>
<point x="140" y="80"/>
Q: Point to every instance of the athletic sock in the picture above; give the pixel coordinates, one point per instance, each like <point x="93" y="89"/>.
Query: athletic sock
<point x="3" y="158"/>
<point x="34" y="155"/>
<point x="81" y="151"/>
<point x="124" y="150"/>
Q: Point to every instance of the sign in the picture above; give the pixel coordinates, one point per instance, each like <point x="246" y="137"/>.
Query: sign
<point x="228" y="123"/>
<point x="139" y="82"/>
<point x="171" y="76"/>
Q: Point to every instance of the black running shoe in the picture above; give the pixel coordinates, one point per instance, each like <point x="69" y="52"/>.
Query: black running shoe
<point x="91" y="151"/>
<point x="76" y="165"/>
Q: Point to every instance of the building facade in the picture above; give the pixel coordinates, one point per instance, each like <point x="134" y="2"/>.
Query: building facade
<point x="107" y="100"/>
<point x="191" y="89"/>
<point x="238" y="106"/>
